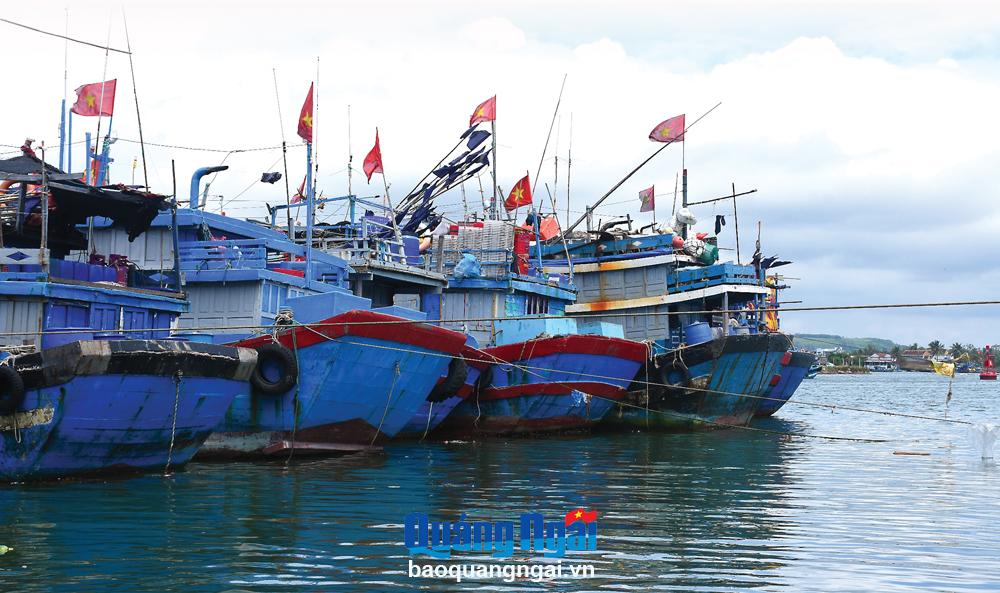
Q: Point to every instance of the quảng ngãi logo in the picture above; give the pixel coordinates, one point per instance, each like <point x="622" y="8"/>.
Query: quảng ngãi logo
<point x="577" y="531"/>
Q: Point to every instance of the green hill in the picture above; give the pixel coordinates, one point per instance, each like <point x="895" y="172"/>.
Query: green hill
<point x="813" y="341"/>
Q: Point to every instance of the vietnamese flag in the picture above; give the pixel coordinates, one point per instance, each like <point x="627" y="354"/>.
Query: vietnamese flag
<point x="520" y="195"/>
<point x="580" y="515"/>
<point x="671" y="130"/>
<point x="97" y="98"/>
<point x="306" y="117"/>
<point x="373" y="162"/>
<point x="648" y="199"/>
<point x="487" y="111"/>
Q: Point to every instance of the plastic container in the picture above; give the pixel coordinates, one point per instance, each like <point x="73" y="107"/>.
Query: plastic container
<point x="697" y="333"/>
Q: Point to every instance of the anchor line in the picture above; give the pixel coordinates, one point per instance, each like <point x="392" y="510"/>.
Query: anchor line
<point x="173" y="427"/>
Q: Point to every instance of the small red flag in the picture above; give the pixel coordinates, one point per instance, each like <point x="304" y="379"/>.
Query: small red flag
<point x="301" y="193"/>
<point x="306" y="117"/>
<point x="671" y="130"/>
<point x="580" y="515"/>
<point x="520" y="195"/>
<point x="373" y="162"/>
<point x="648" y="199"/>
<point x="487" y="111"/>
<point x="97" y="98"/>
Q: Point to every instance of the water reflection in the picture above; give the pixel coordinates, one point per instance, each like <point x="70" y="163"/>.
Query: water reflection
<point x="712" y="511"/>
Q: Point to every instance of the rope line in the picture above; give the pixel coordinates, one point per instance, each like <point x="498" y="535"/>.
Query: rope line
<point x="537" y="317"/>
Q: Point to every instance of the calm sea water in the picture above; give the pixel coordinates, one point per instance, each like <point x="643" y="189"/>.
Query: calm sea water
<point x="717" y="511"/>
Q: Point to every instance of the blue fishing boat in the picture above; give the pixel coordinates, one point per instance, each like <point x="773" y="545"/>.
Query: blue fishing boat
<point x="714" y="349"/>
<point x="92" y="382"/>
<point x="337" y="373"/>
<point x="539" y="370"/>
<point x="794" y="368"/>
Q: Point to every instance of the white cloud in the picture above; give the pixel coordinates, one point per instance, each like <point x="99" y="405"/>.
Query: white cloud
<point x="849" y="130"/>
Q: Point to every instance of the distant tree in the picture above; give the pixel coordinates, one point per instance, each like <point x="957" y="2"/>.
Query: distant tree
<point x="975" y="354"/>
<point x="897" y="351"/>
<point x="913" y="346"/>
<point x="936" y="347"/>
<point x="956" y="350"/>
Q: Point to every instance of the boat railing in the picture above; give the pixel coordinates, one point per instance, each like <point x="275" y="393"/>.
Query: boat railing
<point x="494" y="264"/>
<point x="240" y="254"/>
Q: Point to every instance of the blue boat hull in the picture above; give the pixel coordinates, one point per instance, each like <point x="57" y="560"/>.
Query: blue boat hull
<point x="432" y="414"/>
<point x="790" y="376"/>
<point x="116" y="421"/>
<point x="358" y="384"/>
<point x="703" y="386"/>
<point x="553" y="384"/>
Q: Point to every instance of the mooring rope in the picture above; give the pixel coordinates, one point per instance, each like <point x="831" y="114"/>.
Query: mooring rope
<point x="173" y="427"/>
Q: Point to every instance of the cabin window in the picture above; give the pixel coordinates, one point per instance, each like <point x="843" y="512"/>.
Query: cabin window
<point x="536" y="305"/>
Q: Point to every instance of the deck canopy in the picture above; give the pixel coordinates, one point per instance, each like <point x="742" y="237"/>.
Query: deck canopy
<point x="72" y="203"/>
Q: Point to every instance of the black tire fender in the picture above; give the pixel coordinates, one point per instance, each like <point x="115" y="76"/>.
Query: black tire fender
<point x="284" y="358"/>
<point x="668" y="374"/>
<point x="458" y="372"/>
<point x="11" y="390"/>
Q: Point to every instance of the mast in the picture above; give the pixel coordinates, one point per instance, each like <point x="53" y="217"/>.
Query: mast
<point x="142" y="145"/>
<point x="284" y="156"/>
<point x="62" y="110"/>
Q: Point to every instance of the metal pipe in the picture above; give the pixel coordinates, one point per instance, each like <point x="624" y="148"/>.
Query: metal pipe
<point x="196" y="182"/>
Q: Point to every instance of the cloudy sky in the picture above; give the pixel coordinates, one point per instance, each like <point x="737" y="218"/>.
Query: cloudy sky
<point x="869" y="129"/>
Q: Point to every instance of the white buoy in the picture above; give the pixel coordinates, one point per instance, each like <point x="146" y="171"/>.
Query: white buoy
<point x="983" y="436"/>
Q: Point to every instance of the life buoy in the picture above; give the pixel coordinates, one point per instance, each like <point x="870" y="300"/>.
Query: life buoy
<point x="11" y="390"/>
<point x="274" y="359"/>
<point x="675" y="374"/>
<point x="458" y="372"/>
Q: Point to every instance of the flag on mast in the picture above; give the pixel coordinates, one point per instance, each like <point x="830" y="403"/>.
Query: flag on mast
<point x="486" y="111"/>
<point x="671" y="130"/>
<point x="97" y="98"/>
<point x="520" y="195"/>
<point x="306" y="117"/>
<point x="373" y="162"/>
<point x="648" y="199"/>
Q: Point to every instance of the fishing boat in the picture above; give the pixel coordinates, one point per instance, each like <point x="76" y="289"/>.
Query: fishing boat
<point x="713" y="325"/>
<point x="92" y="381"/>
<point x="988" y="373"/>
<point x="793" y="368"/>
<point x="539" y="370"/>
<point x="337" y="373"/>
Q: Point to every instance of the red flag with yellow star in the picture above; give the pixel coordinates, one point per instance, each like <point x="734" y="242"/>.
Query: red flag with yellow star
<point x="487" y="111"/>
<point x="580" y="515"/>
<point x="373" y="162"/>
<point x="671" y="130"/>
<point x="97" y="98"/>
<point x="306" y="117"/>
<point x="520" y="195"/>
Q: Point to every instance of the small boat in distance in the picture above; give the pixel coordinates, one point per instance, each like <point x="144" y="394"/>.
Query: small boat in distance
<point x="989" y="373"/>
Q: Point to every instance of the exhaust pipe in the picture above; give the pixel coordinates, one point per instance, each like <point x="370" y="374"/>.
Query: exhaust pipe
<point x="196" y="182"/>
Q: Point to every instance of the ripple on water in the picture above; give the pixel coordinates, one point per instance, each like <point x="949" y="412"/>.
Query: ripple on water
<point x="719" y="511"/>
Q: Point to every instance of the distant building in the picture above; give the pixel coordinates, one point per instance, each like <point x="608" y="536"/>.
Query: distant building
<point x="880" y="362"/>
<point x="919" y="354"/>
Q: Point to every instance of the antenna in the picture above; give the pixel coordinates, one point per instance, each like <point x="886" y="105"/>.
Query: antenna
<point x="315" y="136"/>
<point x="284" y="155"/>
<point x="569" y="163"/>
<point x="551" y="125"/>
<point x="350" y="152"/>
<point x="135" y="95"/>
